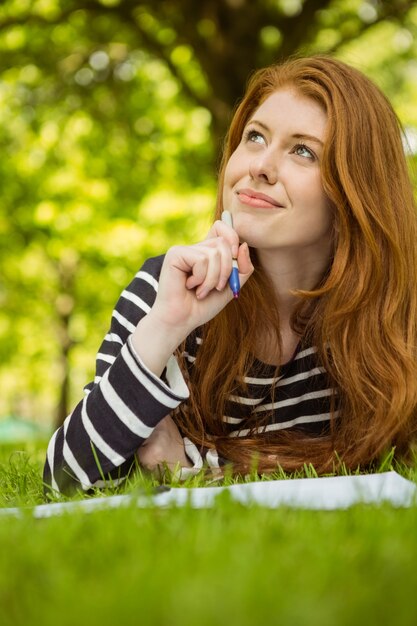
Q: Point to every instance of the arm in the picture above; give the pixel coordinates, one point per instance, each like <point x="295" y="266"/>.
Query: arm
<point x="123" y="404"/>
<point x="128" y="398"/>
<point x="165" y="447"/>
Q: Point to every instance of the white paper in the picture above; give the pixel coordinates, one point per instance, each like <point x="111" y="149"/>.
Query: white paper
<point x="328" y="493"/>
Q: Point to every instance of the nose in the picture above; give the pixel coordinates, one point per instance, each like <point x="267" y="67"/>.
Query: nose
<point x="264" y="167"/>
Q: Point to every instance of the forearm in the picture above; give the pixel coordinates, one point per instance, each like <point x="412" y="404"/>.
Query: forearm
<point x="154" y="343"/>
<point x="111" y="422"/>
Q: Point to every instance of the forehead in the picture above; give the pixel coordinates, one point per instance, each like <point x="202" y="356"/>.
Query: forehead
<point x="293" y="111"/>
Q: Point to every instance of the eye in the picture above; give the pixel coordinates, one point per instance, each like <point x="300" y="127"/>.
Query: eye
<point x="301" y="150"/>
<point x="254" y="136"/>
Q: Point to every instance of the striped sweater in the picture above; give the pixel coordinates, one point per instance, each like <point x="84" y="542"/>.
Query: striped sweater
<point x="121" y="407"/>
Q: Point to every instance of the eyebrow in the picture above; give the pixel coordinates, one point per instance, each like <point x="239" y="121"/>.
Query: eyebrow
<point x="309" y="137"/>
<point x="294" y="136"/>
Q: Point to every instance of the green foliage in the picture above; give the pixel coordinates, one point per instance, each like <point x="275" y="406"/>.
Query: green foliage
<point x="111" y="113"/>
<point x="83" y="149"/>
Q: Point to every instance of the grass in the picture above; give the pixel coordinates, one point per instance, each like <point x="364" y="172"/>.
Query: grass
<point x="224" y="566"/>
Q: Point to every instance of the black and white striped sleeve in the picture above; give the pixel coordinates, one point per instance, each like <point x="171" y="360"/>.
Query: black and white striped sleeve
<point x="98" y="440"/>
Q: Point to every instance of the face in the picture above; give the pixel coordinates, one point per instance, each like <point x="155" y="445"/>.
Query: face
<point x="272" y="182"/>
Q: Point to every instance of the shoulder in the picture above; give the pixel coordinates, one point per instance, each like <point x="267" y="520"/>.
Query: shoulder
<point x="152" y="266"/>
<point x="147" y="277"/>
<point x="139" y="295"/>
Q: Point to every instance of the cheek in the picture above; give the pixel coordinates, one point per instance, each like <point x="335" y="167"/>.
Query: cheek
<point x="236" y="167"/>
<point x="231" y="176"/>
<point x="310" y="192"/>
<point x="229" y="173"/>
<point x="315" y="207"/>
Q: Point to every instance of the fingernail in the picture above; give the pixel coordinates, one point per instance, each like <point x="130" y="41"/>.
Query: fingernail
<point x="235" y="251"/>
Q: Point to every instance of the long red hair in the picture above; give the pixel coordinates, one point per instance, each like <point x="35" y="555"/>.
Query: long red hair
<point x="362" y="316"/>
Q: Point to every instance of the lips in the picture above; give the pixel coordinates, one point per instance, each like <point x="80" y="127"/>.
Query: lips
<point x="257" y="199"/>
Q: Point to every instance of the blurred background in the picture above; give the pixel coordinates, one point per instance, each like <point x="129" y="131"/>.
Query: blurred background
<point x="112" y="116"/>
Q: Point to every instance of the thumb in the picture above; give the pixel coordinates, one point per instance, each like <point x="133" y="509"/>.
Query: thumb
<point x="245" y="264"/>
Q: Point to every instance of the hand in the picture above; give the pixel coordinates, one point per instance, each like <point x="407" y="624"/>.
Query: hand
<point x="165" y="447"/>
<point x="193" y="286"/>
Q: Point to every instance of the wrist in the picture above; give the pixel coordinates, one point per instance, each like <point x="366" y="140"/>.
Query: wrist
<point x="155" y="342"/>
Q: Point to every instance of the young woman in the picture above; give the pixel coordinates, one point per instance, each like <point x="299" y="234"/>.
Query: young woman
<point x="315" y="362"/>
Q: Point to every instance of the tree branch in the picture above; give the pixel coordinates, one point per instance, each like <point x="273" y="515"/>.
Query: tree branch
<point x="390" y="13"/>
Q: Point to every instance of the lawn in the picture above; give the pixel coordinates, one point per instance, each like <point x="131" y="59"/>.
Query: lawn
<point x="222" y="566"/>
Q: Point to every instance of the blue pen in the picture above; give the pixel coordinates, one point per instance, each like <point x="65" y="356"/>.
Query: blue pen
<point x="234" y="276"/>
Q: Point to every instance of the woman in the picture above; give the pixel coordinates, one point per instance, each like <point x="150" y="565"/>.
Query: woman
<point x="316" y="360"/>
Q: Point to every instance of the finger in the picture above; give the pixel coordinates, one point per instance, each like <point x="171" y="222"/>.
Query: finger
<point x="191" y="261"/>
<point x="220" y="229"/>
<point x="198" y="271"/>
<point x="225" y="252"/>
<point x="245" y="264"/>
<point x="213" y="272"/>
